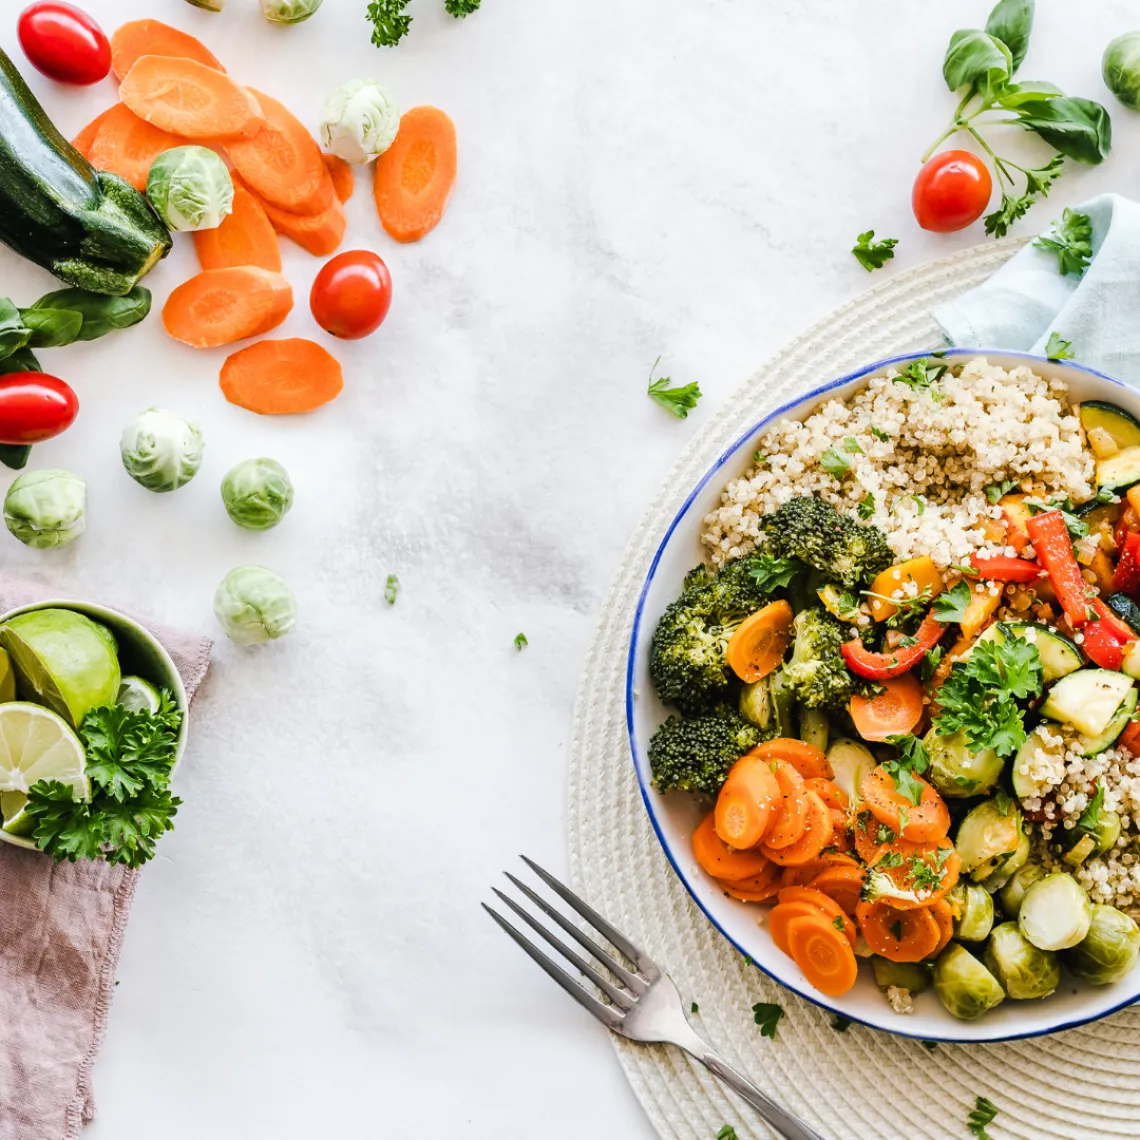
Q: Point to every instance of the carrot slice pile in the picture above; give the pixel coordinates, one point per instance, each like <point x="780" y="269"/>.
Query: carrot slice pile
<point x="815" y="836"/>
<point x="823" y="954"/>
<point x="344" y="180"/>
<point x="188" y="98"/>
<point x="823" y="904"/>
<point x="790" y="817"/>
<point x="759" y="643"/>
<point x="828" y="791"/>
<point x="82" y="141"/>
<point x="758" y="888"/>
<point x="219" y="306"/>
<point x="746" y="801"/>
<point x="245" y="237"/>
<point x="841" y="882"/>
<point x="280" y="377"/>
<point x="900" y="935"/>
<point x="319" y="234"/>
<point x="125" y="145"/>
<point x="808" y="760"/>
<point x="720" y="860"/>
<point x="801" y="874"/>
<point x="152" y="37"/>
<point x="415" y="175"/>
<point x="924" y="822"/>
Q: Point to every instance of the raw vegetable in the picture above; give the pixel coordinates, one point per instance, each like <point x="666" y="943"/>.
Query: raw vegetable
<point x="88" y="228"/>
<point x="963" y="985"/>
<point x="219" y="306"/>
<point x="34" y="407"/>
<point x="121" y="142"/>
<point x="677" y="399"/>
<point x="64" y="43"/>
<point x="344" y="181"/>
<point x="288" y="11"/>
<point x="389" y="24"/>
<point x="352" y="294"/>
<point x="415" y="176"/>
<point x="245" y="237"/>
<point x="1121" y="69"/>
<point x="99" y="314"/>
<point x="191" y="189"/>
<point x="952" y="191"/>
<point x="82" y="141"/>
<point x="1055" y="912"/>
<point x="161" y="451"/>
<point x="253" y="604"/>
<point x="359" y="121"/>
<point x="257" y="493"/>
<point x="152" y="37"/>
<point x="319" y="234"/>
<point x="190" y="99"/>
<point x="1109" y="950"/>
<point x="280" y="377"/>
<point x="208" y="5"/>
<point x="45" y="509"/>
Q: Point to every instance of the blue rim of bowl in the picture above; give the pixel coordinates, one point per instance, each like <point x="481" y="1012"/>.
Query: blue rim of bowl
<point x="647" y="793"/>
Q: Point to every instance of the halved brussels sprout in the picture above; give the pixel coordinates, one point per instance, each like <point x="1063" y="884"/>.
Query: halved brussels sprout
<point x="976" y="911"/>
<point x="1055" y="912"/>
<point x="912" y="976"/>
<point x="988" y="837"/>
<point x="851" y="762"/>
<point x="1024" y="970"/>
<point x="1006" y="870"/>
<point x="1013" y="892"/>
<point x="1110" y="949"/>
<point x="813" y="727"/>
<point x="756" y="703"/>
<point x="956" y="771"/>
<point x="963" y="985"/>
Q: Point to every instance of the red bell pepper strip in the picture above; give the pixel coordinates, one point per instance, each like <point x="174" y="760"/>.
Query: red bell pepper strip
<point x="1054" y="548"/>
<point x="883" y="666"/>
<point x="1126" y="525"/>
<point x="1130" y="737"/>
<point x="1126" y="579"/>
<point x="1123" y="632"/>
<point x="1002" y="568"/>
<point x="1102" y="645"/>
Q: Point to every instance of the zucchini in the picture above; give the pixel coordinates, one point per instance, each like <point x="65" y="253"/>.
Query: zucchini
<point x="1120" y="471"/>
<point x="88" y="227"/>
<point x="1094" y="745"/>
<point x="1123" y="426"/>
<point x="1059" y="656"/>
<point x="1125" y="609"/>
<point x="1087" y="699"/>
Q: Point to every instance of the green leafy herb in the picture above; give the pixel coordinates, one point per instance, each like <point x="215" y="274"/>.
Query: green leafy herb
<point x="727" y="1132"/>
<point x="520" y="641"/>
<point x="997" y="491"/>
<point x="968" y="571"/>
<point x="851" y="446"/>
<point x="889" y="858"/>
<point x="919" y="375"/>
<point x="694" y="1008"/>
<point x="924" y="877"/>
<point x="873" y="254"/>
<point x="834" y="463"/>
<point x="951" y="605"/>
<point x="905" y="609"/>
<point x="389" y="23"/>
<point x="1071" y="240"/>
<point x="461" y="8"/>
<point x="896" y="930"/>
<point x="1011" y="22"/>
<point x="929" y="664"/>
<point x="904" y="817"/>
<point x="866" y="507"/>
<point x="918" y="500"/>
<point x="840" y="1024"/>
<point x="1057" y="348"/>
<point x="983" y="1114"/>
<point x="678" y="401"/>
<point x="912" y="761"/>
<point x="839" y="924"/>
<point x="930" y="1046"/>
<point x="391" y="589"/>
<point x="767" y="1015"/>
<point x="1089" y="819"/>
<point x="879" y="434"/>
<point x="1075" y="525"/>
<point x="759" y="459"/>
<point x="772" y="573"/>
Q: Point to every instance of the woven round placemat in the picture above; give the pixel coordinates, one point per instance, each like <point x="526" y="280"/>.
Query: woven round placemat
<point x="860" y="1084"/>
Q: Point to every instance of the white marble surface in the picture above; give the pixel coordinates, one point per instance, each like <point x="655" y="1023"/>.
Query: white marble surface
<point x="674" y="177"/>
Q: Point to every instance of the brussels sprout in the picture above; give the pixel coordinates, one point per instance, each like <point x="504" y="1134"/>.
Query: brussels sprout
<point x="254" y="604"/>
<point x="257" y="494"/>
<point x="975" y="911"/>
<point x="161" y="451"/>
<point x="956" y="771"/>
<point x="190" y="188"/>
<point x="46" y="509"/>
<point x="1055" y="912"/>
<point x="988" y="837"/>
<point x="910" y="976"/>
<point x="1023" y="970"/>
<point x="1121" y="69"/>
<point x="814" y="727"/>
<point x="288" y="11"/>
<point x="208" y="5"/>
<point x="1013" y="893"/>
<point x="1109" y="950"/>
<point x="851" y="762"/>
<point x="963" y="985"/>
<point x="994" y="881"/>
<point x="359" y="121"/>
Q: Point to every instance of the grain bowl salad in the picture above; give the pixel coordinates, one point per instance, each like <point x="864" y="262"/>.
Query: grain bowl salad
<point x="904" y="686"/>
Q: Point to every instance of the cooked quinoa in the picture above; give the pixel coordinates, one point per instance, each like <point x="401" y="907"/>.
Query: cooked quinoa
<point x="925" y="456"/>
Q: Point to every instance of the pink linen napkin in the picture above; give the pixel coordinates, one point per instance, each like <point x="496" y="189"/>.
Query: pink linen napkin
<point x="61" y="927"/>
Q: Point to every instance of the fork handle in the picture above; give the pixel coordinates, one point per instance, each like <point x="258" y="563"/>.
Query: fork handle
<point x="789" y="1126"/>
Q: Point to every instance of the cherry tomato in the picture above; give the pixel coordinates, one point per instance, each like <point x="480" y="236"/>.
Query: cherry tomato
<point x="64" y="43"/>
<point x="34" y="407"/>
<point x="951" y="191"/>
<point x="351" y="295"/>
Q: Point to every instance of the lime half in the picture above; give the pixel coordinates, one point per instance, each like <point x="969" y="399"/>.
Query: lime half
<point x="35" y="744"/>
<point x="138" y="695"/>
<point x="7" y="677"/>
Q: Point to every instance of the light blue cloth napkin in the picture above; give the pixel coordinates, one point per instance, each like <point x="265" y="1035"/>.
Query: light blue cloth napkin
<point x="1027" y="299"/>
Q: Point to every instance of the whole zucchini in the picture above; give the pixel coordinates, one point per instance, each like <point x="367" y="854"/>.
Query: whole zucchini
<point x="88" y="227"/>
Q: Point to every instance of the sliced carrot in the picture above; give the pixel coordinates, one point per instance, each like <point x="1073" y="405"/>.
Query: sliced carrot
<point x="152" y="37"/>
<point x="758" y="888"/>
<point x="219" y="306"/>
<point x="894" y="710"/>
<point x="840" y="882"/>
<point x="83" y="141"/>
<point x="721" y="861"/>
<point x="828" y="791"/>
<point x="126" y="146"/>
<point x="415" y="175"/>
<point x="817" y="833"/>
<point x="841" y="837"/>
<point x="824" y="904"/>
<point x="782" y="914"/>
<point x="191" y="99"/>
<point x="944" y="916"/>
<point x="319" y="234"/>
<point x="746" y="802"/>
<point x="808" y="760"/>
<point x="281" y="377"/>
<point x="870" y="836"/>
<point x="801" y="874"/>
<point x="823" y="954"/>
<point x="902" y="862"/>
<point x="901" y="936"/>
<point x="245" y="237"/>
<point x="758" y="646"/>
<point x="282" y="162"/>
<point x="923" y="822"/>
<point x="344" y="180"/>
<point x="790" y="818"/>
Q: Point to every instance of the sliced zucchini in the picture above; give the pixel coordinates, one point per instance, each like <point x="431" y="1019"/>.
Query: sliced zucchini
<point x="1080" y="851"/>
<point x="1087" y="699"/>
<point x="1131" y="662"/>
<point x="851" y="762"/>
<point x="1120" y="471"/>
<point x="1059" y="656"/>
<point x="1093" y="745"/>
<point x="1125" y="609"/>
<point x="1123" y="426"/>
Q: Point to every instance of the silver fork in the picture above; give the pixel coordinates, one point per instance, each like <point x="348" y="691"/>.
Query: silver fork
<point x="644" y="1005"/>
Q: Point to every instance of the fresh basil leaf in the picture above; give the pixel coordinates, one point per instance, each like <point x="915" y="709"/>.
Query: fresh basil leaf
<point x="52" y="328"/>
<point x="1012" y="95"/>
<point x="13" y="332"/>
<point x="1076" y="127"/>
<point x="975" y="58"/>
<point x="101" y="315"/>
<point x="1011" y="21"/>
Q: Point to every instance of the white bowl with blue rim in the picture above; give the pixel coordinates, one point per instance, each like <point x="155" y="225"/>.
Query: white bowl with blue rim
<point x="674" y="815"/>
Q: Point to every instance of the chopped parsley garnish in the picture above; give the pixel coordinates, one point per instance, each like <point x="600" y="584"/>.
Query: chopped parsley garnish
<point x="834" y="463"/>
<point x="767" y="1015"/>
<point x="912" y="761"/>
<point x="879" y="434"/>
<point x="919" y="375"/>
<point x="983" y="1114"/>
<point x="391" y="589"/>
<point x="995" y="492"/>
<point x="884" y="834"/>
<point x="840" y="1024"/>
<point x="889" y="859"/>
<point x="951" y="605"/>
<point x="930" y="1046"/>
<point x="839" y="924"/>
<point x="520" y="641"/>
<point x="1089" y="819"/>
<point x="873" y="254"/>
<point x="968" y="571"/>
<point x="759" y="458"/>
<point x="771" y="573"/>
<point x="679" y="401"/>
<point x="1071" y="240"/>
<point x="919" y="502"/>
<point x="896" y="930"/>
<point x="851" y="446"/>
<point x="866" y="506"/>
<point x="694" y="1008"/>
<point x="928" y="666"/>
<point x="1057" y="348"/>
<point x="727" y="1132"/>
<point x="461" y="8"/>
<point x="923" y="876"/>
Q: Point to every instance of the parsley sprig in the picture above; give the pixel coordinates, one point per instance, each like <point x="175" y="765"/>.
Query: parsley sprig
<point x="912" y="761"/>
<point x="984" y="1112"/>
<point x="920" y="375"/>
<point x="772" y="573"/>
<point x="873" y="254"/>
<point x="1070" y="238"/>
<point x="1057" y="348"/>
<point x="679" y="400"/>
<point x="390" y="22"/>
<point x="767" y="1015"/>
<point x="951" y="605"/>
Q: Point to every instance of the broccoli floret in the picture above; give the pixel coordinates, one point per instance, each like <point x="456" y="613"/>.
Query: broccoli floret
<point x="687" y="656"/>
<point x="817" y="674"/>
<point x="737" y="590"/>
<point x="695" y="754"/>
<point x="815" y="532"/>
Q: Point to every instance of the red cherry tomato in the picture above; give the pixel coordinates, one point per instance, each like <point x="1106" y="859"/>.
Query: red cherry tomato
<point x="34" y="407"/>
<point x="64" y="43"/>
<point x="351" y="295"/>
<point x="951" y="191"/>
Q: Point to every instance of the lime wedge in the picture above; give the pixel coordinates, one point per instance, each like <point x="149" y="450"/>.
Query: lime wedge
<point x="35" y="744"/>
<point x="63" y="660"/>
<point x="7" y="677"/>
<point x="138" y="695"/>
